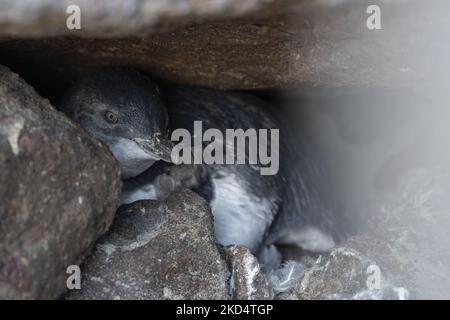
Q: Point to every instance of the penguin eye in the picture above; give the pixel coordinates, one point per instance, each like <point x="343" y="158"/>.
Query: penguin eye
<point x="111" y="117"/>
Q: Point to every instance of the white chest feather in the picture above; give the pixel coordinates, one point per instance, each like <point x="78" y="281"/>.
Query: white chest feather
<point x="240" y="217"/>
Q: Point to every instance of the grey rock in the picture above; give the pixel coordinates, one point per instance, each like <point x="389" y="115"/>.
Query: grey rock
<point x="407" y="234"/>
<point x="157" y="250"/>
<point x="117" y="18"/>
<point x="344" y="274"/>
<point x="385" y="293"/>
<point x="59" y="190"/>
<point x="342" y="271"/>
<point x="273" y="44"/>
<point x="405" y="239"/>
<point x="248" y="281"/>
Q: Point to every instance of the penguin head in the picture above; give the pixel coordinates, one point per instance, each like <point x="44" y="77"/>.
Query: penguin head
<point x="125" y="110"/>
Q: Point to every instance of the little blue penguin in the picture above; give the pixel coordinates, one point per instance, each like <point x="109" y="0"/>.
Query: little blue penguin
<point x="134" y="117"/>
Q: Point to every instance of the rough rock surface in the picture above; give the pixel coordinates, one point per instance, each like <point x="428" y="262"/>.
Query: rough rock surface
<point x="343" y="274"/>
<point x="248" y="282"/>
<point x="406" y="239"/>
<point x="59" y="190"/>
<point x="115" y="17"/>
<point x="290" y="43"/>
<point x="157" y="250"/>
<point x="408" y="235"/>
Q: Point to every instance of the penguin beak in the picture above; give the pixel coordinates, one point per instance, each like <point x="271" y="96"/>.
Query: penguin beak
<point x="158" y="146"/>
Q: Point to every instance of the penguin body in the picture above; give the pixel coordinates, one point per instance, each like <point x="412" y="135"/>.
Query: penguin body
<point x="249" y="208"/>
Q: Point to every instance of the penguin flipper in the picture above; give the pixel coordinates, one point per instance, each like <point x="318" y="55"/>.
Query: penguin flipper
<point x="161" y="180"/>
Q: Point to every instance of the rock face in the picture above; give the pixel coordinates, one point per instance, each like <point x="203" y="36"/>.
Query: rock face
<point x="248" y="281"/>
<point x="408" y="234"/>
<point x="112" y="18"/>
<point x="274" y="44"/>
<point x="61" y="187"/>
<point x="58" y="188"/>
<point x="343" y="274"/>
<point x="157" y="250"/>
<point x="405" y="243"/>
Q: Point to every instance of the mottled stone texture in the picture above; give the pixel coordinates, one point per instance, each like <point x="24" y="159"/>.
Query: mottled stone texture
<point x="408" y="234"/>
<point x="157" y="250"/>
<point x="343" y="271"/>
<point x="248" y="281"/>
<point x="115" y="18"/>
<point x="406" y="238"/>
<point x="167" y="251"/>
<point x="58" y="188"/>
<point x="284" y="44"/>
